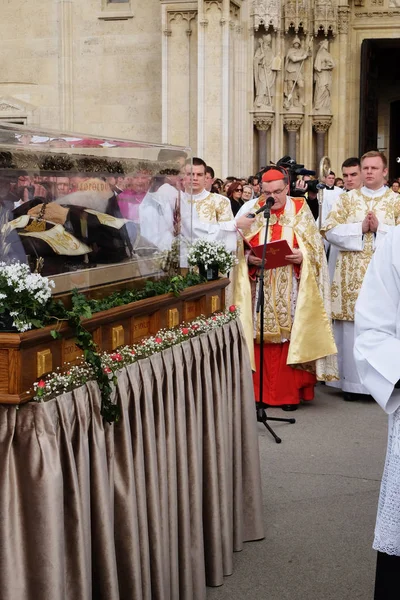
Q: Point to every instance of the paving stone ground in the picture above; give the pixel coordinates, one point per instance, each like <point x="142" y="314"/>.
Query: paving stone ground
<point x="320" y="491"/>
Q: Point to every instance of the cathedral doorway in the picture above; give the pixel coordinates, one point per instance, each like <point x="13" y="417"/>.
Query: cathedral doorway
<point x="394" y="136"/>
<point x="379" y="124"/>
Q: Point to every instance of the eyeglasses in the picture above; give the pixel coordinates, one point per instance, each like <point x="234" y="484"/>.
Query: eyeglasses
<point x="239" y="190"/>
<point x="276" y="192"/>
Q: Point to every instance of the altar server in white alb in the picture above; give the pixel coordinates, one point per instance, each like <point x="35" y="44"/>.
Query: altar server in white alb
<point x="186" y="210"/>
<point x="204" y="214"/>
<point x="330" y="194"/>
<point x="356" y="226"/>
<point x="377" y="356"/>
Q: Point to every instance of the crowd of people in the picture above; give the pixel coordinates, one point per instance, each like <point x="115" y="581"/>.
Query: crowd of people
<point x="311" y="300"/>
<point x="360" y="299"/>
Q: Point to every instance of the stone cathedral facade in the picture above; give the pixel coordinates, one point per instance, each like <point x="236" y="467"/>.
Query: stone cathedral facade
<point x="242" y="82"/>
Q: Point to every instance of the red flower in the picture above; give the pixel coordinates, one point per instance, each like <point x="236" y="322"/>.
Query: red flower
<point x="232" y="308"/>
<point x="107" y="370"/>
<point x="184" y="330"/>
<point x="213" y="318"/>
<point x="41" y="384"/>
<point x="158" y="340"/>
<point x="133" y="352"/>
<point x="117" y="357"/>
<point x="195" y="326"/>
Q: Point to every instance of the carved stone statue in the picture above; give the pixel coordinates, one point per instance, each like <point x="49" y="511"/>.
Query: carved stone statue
<point x="323" y="66"/>
<point x="293" y="87"/>
<point x="265" y="67"/>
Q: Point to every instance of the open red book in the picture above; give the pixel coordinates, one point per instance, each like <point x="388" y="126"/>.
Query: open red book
<point x="276" y="252"/>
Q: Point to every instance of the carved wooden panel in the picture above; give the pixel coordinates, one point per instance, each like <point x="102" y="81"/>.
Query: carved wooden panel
<point x="22" y="354"/>
<point x="70" y="352"/>
<point x="4" y="365"/>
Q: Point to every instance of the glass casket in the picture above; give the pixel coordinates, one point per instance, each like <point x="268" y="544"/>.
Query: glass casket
<point x="96" y="215"/>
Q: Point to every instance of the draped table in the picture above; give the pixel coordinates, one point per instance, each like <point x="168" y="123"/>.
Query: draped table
<point x="149" y="508"/>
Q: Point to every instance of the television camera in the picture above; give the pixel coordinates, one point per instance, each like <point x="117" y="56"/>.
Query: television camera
<point x="293" y="170"/>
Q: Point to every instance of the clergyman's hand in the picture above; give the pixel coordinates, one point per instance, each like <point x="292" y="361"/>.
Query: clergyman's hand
<point x="254" y="260"/>
<point x="365" y="224"/>
<point x="244" y="222"/>
<point x="373" y="222"/>
<point x="296" y="258"/>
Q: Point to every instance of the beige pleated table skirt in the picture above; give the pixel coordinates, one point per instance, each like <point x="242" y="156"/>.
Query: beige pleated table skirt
<point x="152" y="507"/>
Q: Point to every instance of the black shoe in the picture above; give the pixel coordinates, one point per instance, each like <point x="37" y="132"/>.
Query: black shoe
<point x="354" y="397"/>
<point x="289" y="407"/>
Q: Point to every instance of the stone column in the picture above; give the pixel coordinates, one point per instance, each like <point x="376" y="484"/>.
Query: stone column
<point x="263" y="122"/>
<point x="292" y="124"/>
<point x="177" y="109"/>
<point x="343" y="104"/>
<point x="321" y="124"/>
<point x="66" y="67"/>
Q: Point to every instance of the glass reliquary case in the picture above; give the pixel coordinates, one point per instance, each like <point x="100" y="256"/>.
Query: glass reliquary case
<point x="89" y="211"/>
<point x="100" y="216"/>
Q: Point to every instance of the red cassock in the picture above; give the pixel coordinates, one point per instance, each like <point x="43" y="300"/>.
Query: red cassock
<point x="282" y="384"/>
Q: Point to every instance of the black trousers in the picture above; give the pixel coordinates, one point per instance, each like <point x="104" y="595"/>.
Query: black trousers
<point x="387" y="577"/>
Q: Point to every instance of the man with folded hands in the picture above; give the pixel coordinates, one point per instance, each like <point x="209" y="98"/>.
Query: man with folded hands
<point x="299" y="347"/>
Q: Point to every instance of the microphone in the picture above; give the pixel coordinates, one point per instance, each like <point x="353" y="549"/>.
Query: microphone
<point x="266" y="208"/>
<point x="321" y="186"/>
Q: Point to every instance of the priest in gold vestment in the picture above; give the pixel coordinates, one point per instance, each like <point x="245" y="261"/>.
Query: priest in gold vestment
<point x="299" y="347"/>
<point x="357" y="224"/>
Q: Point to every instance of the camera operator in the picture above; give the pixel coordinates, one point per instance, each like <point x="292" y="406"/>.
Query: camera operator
<point x="301" y="182"/>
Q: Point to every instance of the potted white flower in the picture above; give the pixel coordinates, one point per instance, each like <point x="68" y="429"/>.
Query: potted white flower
<point x="211" y="258"/>
<point x="24" y="297"/>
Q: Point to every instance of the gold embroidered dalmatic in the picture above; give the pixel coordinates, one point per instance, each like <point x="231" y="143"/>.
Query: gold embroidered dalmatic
<point x="351" y="265"/>
<point x="296" y="310"/>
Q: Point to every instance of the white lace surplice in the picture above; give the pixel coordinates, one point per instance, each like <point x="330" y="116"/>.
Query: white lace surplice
<point x="377" y="356"/>
<point x="387" y="529"/>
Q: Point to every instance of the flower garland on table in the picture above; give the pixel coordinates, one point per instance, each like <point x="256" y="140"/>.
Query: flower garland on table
<point x="59" y="382"/>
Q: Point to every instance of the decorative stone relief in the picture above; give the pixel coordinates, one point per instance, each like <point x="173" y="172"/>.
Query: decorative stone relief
<point x="8" y="107"/>
<point x="297" y="15"/>
<point x="293" y="85"/>
<point x="265" y="66"/>
<point x="388" y="14"/>
<point x="263" y="121"/>
<point x="180" y="15"/>
<point x="293" y="122"/>
<point x="234" y="10"/>
<point x="325" y="17"/>
<point x="323" y="66"/>
<point x="267" y="13"/>
<point x="14" y="108"/>
<point x="209" y="3"/>
<point x="343" y="19"/>
<point x="392" y="3"/>
<point x="322" y="123"/>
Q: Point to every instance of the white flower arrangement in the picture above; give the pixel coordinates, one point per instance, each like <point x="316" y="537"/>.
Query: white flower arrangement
<point x="23" y="295"/>
<point x="209" y="254"/>
<point x="60" y="382"/>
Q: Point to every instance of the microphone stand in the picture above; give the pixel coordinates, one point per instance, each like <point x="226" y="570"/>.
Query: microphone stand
<point x="260" y="407"/>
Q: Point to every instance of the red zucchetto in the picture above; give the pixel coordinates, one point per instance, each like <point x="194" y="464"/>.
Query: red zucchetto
<point x="272" y="175"/>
